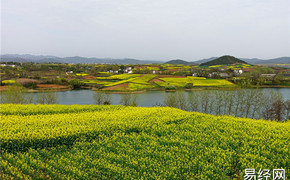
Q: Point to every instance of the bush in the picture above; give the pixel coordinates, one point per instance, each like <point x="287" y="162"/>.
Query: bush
<point x="75" y="83"/>
<point x="15" y="94"/>
<point x="170" y="88"/>
<point x="188" y="86"/>
<point x="30" y="85"/>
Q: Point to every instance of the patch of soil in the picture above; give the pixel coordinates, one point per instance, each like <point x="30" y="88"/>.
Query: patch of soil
<point x="90" y="77"/>
<point x="51" y="86"/>
<point x="155" y="80"/>
<point x="3" y="88"/>
<point x="23" y="80"/>
<point x="117" y="87"/>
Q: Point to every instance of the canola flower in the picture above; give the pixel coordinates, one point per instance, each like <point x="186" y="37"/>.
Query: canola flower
<point x="122" y="142"/>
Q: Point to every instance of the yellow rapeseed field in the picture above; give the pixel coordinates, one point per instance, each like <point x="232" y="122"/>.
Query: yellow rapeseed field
<point x="123" y="142"/>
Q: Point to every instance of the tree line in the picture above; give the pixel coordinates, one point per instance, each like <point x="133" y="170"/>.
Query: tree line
<point x="127" y="99"/>
<point x="16" y="94"/>
<point x="249" y="103"/>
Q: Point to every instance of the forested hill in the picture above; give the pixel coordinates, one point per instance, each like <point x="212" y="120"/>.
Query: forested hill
<point x="179" y="61"/>
<point x="224" y="60"/>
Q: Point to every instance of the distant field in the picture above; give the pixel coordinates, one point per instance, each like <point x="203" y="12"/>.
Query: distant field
<point x="135" y="82"/>
<point x="120" y="76"/>
<point x="196" y="81"/>
<point x="119" y="142"/>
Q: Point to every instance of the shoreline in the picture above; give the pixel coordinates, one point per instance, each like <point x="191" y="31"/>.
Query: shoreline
<point x="145" y="90"/>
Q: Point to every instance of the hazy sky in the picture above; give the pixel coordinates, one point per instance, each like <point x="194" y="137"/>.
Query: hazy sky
<point x="147" y="29"/>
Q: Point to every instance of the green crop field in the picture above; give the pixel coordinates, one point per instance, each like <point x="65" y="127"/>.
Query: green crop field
<point x="120" y="76"/>
<point x="196" y="81"/>
<point x="137" y="82"/>
<point x="122" y="142"/>
<point x="144" y="79"/>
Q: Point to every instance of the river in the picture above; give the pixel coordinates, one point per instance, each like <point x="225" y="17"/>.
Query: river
<point x="147" y="99"/>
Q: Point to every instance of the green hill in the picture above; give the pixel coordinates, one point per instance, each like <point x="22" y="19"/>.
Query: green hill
<point x="123" y="142"/>
<point x="224" y="60"/>
<point x="179" y="61"/>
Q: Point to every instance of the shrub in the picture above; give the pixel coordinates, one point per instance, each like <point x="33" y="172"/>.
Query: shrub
<point x="75" y="83"/>
<point x="188" y="86"/>
<point x="170" y="88"/>
<point x="30" y="85"/>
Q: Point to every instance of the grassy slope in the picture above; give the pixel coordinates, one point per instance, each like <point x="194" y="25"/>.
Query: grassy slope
<point x="97" y="142"/>
<point x="224" y="60"/>
<point x="137" y="82"/>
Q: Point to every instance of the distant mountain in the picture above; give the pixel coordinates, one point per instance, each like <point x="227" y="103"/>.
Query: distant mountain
<point x="78" y="59"/>
<point x="205" y="60"/>
<point x="224" y="60"/>
<point x="281" y="60"/>
<point x="251" y="61"/>
<point x="27" y="57"/>
<point x="179" y="61"/>
<point x="75" y="59"/>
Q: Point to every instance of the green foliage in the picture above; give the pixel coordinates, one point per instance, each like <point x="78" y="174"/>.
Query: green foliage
<point x="30" y="85"/>
<point x="170" y="88"/>
<point x="15" y="94"/>
<point x="188" y="86"/>
<point x="245" y="83"/>
<point x="75" y="83"/>
<point x="224" y="60"/>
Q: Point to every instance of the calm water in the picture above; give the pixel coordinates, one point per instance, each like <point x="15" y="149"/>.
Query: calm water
<point x="150" y="98"/>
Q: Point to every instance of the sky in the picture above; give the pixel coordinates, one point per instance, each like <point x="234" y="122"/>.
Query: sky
<point x="146" y="29"/>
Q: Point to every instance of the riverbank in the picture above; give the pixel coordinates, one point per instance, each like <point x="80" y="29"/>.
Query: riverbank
<point x="56" y="88"/>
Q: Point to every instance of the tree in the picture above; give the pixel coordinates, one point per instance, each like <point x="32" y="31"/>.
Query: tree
<point x="108" y="99"/>
<point x="47" y="98"/>
<point x="274" y="107"/>
<point x="277" y="110"/>
<point x="30" y="85"/>
<point x="99" y="98"/>
<point x="102" y="98"/>
<point x="287" y="108"/>
<point x="188" y="86"/>
<point x="129" y="99"/>
<point x="277" y="80"/>
<point x="181" y="100"/>
<point x="75" y="83"/>
<point x="170" y="100"/>
<point x="15" y="94"/>
<point x="194" y="100"/>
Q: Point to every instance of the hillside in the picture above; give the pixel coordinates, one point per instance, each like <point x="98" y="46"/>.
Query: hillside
<point x="123" y="142"/>
<point x="204" y="60"/>
<point x="281" y="60"/>
<point x="224" y="60"/>
<point x="178" y="61"/>
<point x="75" y="59"/>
